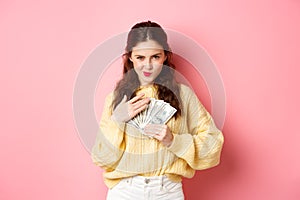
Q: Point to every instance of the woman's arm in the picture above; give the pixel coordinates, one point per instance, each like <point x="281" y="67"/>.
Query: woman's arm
<point x="201" y="146"/>
<point x="109" y="145"/>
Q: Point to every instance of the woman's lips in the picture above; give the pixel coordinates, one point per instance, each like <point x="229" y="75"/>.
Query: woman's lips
<point x="147" y="74"/>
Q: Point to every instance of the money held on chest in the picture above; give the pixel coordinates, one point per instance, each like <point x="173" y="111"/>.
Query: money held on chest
<point x="158" y="112"/>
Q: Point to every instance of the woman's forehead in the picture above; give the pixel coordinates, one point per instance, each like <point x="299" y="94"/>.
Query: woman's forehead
<point x="149" y="45"/>
<point x="147" y="52"/>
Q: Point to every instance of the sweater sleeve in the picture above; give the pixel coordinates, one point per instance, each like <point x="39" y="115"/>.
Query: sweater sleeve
<point x="109" y="145"/>
<point x="201" y="146"/>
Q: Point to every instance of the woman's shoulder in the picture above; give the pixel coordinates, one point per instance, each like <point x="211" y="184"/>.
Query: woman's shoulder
<point x="185" y="90"/>
<point x="109" y="97"/>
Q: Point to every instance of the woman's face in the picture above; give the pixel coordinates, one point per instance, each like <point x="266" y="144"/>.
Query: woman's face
<point x="147" y="58"/>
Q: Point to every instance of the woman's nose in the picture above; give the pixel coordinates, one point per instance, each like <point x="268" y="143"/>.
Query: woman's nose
<point x="148" y="64"/>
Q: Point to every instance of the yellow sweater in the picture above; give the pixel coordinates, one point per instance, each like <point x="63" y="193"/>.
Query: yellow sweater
<point x="122" y="151"/>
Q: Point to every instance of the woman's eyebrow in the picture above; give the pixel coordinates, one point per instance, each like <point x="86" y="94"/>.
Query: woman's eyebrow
<point x="156" y="54"/>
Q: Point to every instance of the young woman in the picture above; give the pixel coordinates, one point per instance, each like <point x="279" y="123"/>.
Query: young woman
<point x="150" y="164"/>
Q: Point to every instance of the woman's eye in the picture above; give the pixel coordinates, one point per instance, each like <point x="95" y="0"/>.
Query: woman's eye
<point x="156" y="57"/>
<point x="139" y="57"/>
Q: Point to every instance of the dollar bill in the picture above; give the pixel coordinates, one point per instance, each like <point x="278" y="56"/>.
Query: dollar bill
<point x="157" y="112"/>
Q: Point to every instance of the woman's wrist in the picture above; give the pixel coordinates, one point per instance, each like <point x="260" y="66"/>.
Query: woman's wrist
<point x="170" y="141"/>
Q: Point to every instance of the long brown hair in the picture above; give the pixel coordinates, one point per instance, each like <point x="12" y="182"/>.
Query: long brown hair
<point x="167" y="87"/>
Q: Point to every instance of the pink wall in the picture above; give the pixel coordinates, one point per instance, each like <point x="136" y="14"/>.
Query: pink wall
<point x="255" y="45"/>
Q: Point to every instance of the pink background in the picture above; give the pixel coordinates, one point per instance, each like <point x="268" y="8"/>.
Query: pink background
<point x="255" y="45"/>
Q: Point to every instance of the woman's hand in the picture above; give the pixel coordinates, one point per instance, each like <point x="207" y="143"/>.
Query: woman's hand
<point x="127" y="110"/>
<point x="160" y="132"/>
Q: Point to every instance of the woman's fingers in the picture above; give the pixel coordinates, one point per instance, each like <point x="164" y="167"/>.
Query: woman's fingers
<point x="161" y="132"/>
<point x="140" y="103"/>
<point x="135" y="105"/>
<point x="127" y="110"/>
<point x="133" y="112"/>
<point x="136" y="98"/>
<point x="154" y="129"/>
<point x="138" y="107"/>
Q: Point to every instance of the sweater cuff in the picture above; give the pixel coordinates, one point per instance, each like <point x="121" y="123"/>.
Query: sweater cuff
<point x="181" y="143"/>
<point x="120" y="125"/>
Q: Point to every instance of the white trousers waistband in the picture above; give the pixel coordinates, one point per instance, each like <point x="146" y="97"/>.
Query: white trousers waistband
<point x="146" y="188"/>
<point x="153" y="181"/>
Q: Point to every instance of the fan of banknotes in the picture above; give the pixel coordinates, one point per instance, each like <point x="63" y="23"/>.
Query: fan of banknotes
<point x="157" y="112"/>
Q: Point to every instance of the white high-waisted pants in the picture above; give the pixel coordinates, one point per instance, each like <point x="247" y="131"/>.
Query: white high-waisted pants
<point x="146" y="188"/>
